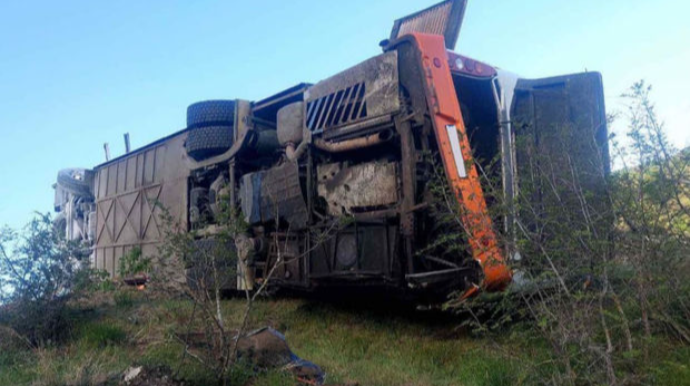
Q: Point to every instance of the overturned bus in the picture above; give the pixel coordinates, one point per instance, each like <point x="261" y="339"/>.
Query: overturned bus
<point x="364" y="145"/>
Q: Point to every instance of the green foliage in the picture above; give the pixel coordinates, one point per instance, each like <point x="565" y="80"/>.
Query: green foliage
<point x="652" y="198"/>
<point x="35" y="264"/>
<point x="37" y="273"/>
<point x="605" y="300"/>
<point x="210" y="265"/>
<point x="275" y="378"/>
<point x="447" y="238"/>
<point x="134" y="263"/>
<point x="98" y="335"/>
<point x="376" y="346"/>
<point x="603" y="274"/>
<point x="673" y="369"/>
<point x="89" y="280"/>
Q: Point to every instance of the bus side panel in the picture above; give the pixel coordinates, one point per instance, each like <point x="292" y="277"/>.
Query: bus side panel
<point x="131" y="193"/>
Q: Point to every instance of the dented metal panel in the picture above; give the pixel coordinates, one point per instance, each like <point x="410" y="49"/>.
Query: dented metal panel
<point x="275" y="191"/>
<point x="367" y="90"/>
<point x="129" y="194"/>
<point x="368" y="185"/>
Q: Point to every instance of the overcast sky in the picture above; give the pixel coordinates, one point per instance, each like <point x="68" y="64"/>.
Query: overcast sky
<point x="76" y="74"/>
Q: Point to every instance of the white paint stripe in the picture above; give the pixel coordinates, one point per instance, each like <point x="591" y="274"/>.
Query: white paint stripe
<point x="457" y="153"/>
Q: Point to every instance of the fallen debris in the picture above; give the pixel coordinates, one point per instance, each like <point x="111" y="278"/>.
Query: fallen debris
<point x="267" y="349"/>
<point x="149" y="376"/>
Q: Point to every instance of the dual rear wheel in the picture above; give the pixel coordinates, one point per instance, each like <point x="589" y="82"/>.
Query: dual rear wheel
<point x="211" y="125"/>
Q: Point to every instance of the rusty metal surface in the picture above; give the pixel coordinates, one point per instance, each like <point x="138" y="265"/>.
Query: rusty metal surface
<point x="242" y="113"/>
<point x="403" y="107"/>
<point x="347" y="189"/>
<point x="408" y="178"/>
<point x="448" y="126"/>
<point x="352" y="144"/>
<point x="359" y="129"/>
<point x="367" y="90"/>
<point x="127" y="191"/>
<point x="289" y="248"/>
<point x="275" y="191"/>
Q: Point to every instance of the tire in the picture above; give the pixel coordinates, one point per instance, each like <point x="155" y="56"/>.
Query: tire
<point x="204" y="142"/>
<point x="211" y="113"/>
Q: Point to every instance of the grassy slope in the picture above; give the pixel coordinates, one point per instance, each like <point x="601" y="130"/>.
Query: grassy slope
<point x="352" y="345"/>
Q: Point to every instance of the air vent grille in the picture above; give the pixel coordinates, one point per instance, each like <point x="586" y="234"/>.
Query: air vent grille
<point x="443" y="19"/>
<point x="433" y="21"/>
<point x="338" y="108"/>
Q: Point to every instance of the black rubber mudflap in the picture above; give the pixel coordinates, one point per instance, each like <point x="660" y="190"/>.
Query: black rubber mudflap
<point x="211" y="113"/>
<point x="204" y="142"/>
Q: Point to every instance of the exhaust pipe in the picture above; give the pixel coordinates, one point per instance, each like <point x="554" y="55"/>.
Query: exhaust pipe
<point x="355" y="143"/>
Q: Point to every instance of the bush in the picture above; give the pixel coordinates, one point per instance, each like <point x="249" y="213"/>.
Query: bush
<point x="606" y="273"/>
<point x="134" y="263"/>
<point x="36" y="279"/>
<point x="88" y="280"/>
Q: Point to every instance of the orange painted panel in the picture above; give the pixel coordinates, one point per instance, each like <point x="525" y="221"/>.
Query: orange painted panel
<point x="463" y="179"/>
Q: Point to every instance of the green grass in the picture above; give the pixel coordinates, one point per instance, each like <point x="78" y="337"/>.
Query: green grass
<point x="377" y="349"/>
<point x="673" y="367"/>
<point x="99" y="335"/>
<point x="368" y="346"/>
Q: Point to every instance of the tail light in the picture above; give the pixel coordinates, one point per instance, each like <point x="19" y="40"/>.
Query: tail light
<point x="469" y="66"/>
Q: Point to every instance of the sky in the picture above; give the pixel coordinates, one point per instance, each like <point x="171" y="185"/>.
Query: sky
<point x="77" y="74"/>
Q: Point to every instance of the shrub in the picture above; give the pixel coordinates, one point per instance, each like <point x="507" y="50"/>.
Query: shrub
<point x="603" y="276"/>
<point x="36" y="280"/>
<point x="134" y="263"/>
